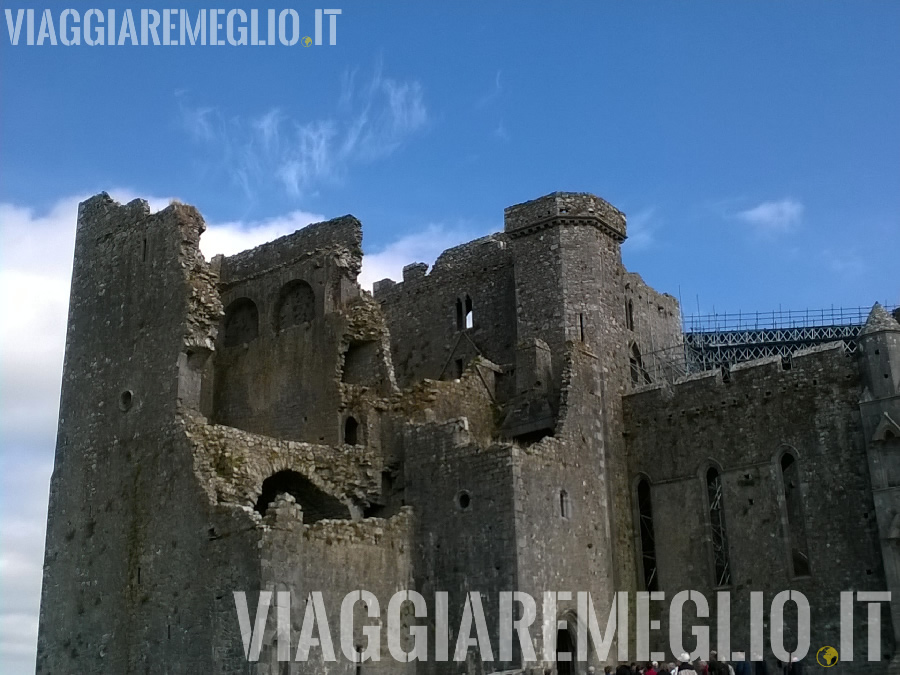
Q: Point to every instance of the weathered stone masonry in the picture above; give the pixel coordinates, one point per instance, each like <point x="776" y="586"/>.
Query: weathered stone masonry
<point x="261" y="422"/>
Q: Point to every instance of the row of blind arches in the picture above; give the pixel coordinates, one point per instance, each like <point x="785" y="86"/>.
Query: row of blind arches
<point x="793" y="520"/>
<point x="294" y="305"/>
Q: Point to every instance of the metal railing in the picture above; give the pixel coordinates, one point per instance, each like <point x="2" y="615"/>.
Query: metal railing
<point x="719" y="322"/>
<point x="723" y="339"/>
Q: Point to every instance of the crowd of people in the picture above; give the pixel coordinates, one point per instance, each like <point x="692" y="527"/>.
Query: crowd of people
<point x="714" y="666"/>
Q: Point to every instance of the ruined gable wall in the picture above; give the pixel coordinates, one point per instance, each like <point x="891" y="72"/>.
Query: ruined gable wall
<point x="422" y="316"/>
<point x="313" y="331"/>
<point x="656" y="319"/>
<point x="744" y="425"/>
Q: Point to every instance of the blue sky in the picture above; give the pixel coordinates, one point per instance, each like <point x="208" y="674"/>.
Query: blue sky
<point x="754" y="146"/>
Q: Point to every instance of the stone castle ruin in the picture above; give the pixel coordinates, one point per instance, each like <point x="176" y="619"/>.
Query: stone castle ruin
<point x="526" y="416"/>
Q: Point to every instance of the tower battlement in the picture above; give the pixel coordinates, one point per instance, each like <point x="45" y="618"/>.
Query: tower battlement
<point x="571" y="207"/>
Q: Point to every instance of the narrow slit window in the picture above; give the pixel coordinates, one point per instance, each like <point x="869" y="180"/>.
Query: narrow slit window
<point x="717" y="523"/>
<point x="647" y="538"/>
<point x="460" y="321"/>
<point x="581" y="326"/>
<point x="796" y="530"/>
<point x="565" y="505"/>
<point x="470" y="317"/>
<point x="629" y="315"/>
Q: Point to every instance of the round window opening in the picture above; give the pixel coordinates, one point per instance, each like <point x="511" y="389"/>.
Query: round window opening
<point x="125" y="400"/>
<point x="464" y="499"/>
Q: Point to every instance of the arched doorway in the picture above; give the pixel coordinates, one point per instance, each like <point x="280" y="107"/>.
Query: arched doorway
<point x="565" y="649"/>
<point x="316" y="504"/>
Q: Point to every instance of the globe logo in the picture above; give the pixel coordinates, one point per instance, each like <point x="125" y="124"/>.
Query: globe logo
<point x="307" y="41"/>
<point x="827" y="656"/>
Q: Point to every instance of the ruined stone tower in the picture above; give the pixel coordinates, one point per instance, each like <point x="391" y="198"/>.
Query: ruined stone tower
<point x="506" y="421"/>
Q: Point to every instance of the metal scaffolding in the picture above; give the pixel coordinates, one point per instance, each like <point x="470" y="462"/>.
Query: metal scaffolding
<point x="721" y="340"/>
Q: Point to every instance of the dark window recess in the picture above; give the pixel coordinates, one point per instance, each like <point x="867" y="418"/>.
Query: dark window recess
<point x="796" y="534"/>
<point x="565" y="653"/>
<point x="565" y="506"/>
<point x="316" y="504"/>
<point x="351" y="431"/>
<point x="470" y="316"/>
<point x="581" y="326"/>
<point x="648" y="541"/>
<point x="717" y="523"/>
<point x="296" y="305"/>
<point x="629" y="315"/>
<point x="464" y="500"/>
<point x="241" y="322"/>
<point x="639" y="374"/>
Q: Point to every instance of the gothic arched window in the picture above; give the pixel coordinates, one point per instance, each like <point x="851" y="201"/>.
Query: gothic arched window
<point x="717" y="524"/>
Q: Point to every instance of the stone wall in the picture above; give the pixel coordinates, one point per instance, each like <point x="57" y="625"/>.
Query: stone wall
<point x="119" y="590"/>
<point x="241" y="427"/>
<point x="742" y="425"/>
<point x="427" y="338"/>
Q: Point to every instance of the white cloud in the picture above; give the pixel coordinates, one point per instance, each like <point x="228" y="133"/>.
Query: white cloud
<point x="370" y="122"/>
<point x="233" y="237"/>
<point x="424" y="246"/>
<point x="774" y="216"/>
<point x="35" y="271"/>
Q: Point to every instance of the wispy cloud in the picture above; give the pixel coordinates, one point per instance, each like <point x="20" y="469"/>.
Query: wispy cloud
<point x="642" y="229"/>
<point x="493" y="94"/>
<point x="773" y="217"/>
<point x="371" y="120"/>
<point x="846" y="262"/>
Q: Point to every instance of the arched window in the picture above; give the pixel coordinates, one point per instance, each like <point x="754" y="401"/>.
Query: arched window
<point x="316" y="504"/>
<point x="351" y="431"/>
<point x="464" y="317"/>
<point x="629" y="315"/>
<point x="796" y="529"/>
<point x="565" y="505"/>
<point x="241" y="322"/>
<point x="296" y="305"/>
<point x="638" y="373"/>
<point x="647" y="538"/>
<point x="717" y="524"/>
